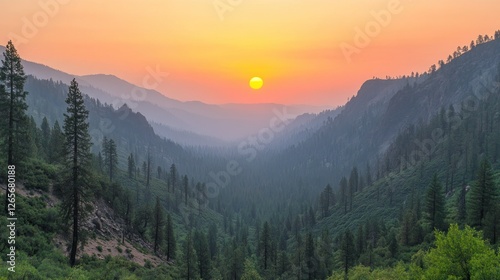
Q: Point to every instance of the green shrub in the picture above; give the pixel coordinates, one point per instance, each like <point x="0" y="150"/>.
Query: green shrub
<point x="51" y="269"/>
<point x="148" y="264"/>
<point x="38" y="175"/>
<point x="79" y="274"/>
<point x="23" y="270"/>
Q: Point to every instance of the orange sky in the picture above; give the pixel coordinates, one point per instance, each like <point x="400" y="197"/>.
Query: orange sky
<point x="210" y="54"/>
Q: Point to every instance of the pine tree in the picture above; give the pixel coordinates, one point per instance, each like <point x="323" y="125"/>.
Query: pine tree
<point x="144" y="169"/>
<point x="343" y="193"/>
<point x="325" y="254"/>
<point x="434" y="205"/>
<point x="393" y="244"/>
<point x="148" y="171"/>
<point x="360" y="241"/>
<point x="347" y="251"/>
<point x="173" y="177"/>
<point x="298" y="258"/>
<point x="189" y="267"/>
<point x="127" y="216"/>
<point x="105" y="147"/>
<point x="201" y="195"/>
<point x="250" y="271"/>
<point x="368" y="175"/>
<point x="354" y="180"/>
<point x="99" y="162"/>
<point x="13" y="120"/>
<point x="77" y="155"/>
<point x="283" y="264"/>
<point x="33" y="141"/>
<point x="353" y="186"/>
<point x="310" y="258"/>
<point x="265" y="246"/>
<point x="492" y="223"/>
<point x="131" y="165"/>
<point x="185" y="184"/>
<point x="462" y="206"/>
<point x="312" y="217"/>
<point x="203" y="255"/>
<point x="158" y="221"/>
<point x="56" y="144"/>
<point x="110" y="157"/>
<point x="45" y="139"/>
<point x="159" y="172"/>
<point x="326" y="200"/>
<point x="170" y="239"/>
<point x="212" y="241"/>
<point x="482" y="196"/>
<point x="407" y="227"/>
<point x="235" y="259"/>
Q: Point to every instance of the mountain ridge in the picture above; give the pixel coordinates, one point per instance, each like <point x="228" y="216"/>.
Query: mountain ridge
<point x="221" y="121"/>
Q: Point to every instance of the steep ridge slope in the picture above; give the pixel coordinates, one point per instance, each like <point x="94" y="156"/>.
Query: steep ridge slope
<point x="131" y="130"/>
<point x="370" y="121"/>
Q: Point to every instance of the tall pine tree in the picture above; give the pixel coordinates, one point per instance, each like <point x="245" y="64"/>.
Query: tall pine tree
<point x="482" y="196"/>
<point x="434" y="205"/>
<point x="131" y="166"/>
<point x="325" y="255"/>
<point x="347" y="251"/>
<point x="203" y="255"/>
<point x="326" y="200"/>
<point x="353" y="186"/>
<point x="462" y="206"/>
<point x="56" y="144"/>
<point x="13" y="120"/>
<point x="310" y="258"/>
<point x="110" y="157"/>
<point x="170" y="239"/>
<point x="158" y="222"/>
<point x="173" y="177"/>
<point x="212" y="241"/>
<point x="185" y="187"/>
<point x="343" y="193"/>
<point x="45" y="139"/>
<point x="127" y="215"/>
<point x="265" y="246"/>
<point x="189" y="262"/>
<point x="77" y="157"/>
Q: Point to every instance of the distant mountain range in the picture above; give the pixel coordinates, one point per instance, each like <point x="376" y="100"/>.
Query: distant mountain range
<point x="226" y="122"/>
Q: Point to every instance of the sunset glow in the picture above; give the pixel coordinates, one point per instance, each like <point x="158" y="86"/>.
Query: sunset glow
<point x="211" y="48"/>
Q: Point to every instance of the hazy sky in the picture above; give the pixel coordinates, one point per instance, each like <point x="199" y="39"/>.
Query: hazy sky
<point x="211" y="48"/>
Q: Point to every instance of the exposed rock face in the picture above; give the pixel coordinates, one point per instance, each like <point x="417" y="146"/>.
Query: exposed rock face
<point x="97" y="223"/>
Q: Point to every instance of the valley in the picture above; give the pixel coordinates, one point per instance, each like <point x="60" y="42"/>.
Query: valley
<point x="118" y="181"/>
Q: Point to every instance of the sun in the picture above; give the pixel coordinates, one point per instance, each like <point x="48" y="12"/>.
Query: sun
<point x="256" y="83"/>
